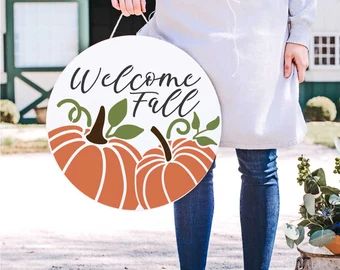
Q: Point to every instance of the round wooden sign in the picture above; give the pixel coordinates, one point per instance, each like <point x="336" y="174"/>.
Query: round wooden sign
<point x="134" y="122"/>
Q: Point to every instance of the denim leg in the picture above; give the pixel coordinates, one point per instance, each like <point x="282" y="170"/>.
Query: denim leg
<point x="259" y="205"/>
<point x="193" y="220"/>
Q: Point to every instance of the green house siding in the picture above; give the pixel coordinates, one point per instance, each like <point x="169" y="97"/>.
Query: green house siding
<point x="15" y="72"/>
<point x="313" y="89"/>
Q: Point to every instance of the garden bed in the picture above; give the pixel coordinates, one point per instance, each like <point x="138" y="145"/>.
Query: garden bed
<point x="23" y="138"/>
<point x="323" y="133"/>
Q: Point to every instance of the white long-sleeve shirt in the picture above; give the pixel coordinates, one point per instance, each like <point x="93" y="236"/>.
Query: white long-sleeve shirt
<point x="240" y="44"/>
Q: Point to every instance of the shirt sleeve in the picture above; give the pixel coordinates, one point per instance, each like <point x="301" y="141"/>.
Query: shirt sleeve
<point x="301" y="15"/>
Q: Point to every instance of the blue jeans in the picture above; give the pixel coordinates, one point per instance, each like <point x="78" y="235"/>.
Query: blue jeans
<point x="259" y="213"/>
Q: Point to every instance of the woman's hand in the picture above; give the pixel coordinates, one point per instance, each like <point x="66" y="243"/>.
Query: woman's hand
<point x="297" y="54"/>
<point x="130" y="7"/>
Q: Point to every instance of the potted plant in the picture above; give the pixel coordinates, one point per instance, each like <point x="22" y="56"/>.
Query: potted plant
<point x="41" y="114"/>
<point x="320" y="211"/>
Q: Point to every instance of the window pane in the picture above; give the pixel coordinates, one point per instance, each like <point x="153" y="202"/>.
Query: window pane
<point x="316" y="40"/>
<point x="332" y="60"/>
<point x="324" y="60"/>
<point x="45" y="33"/>
<point x="316" y="61"/>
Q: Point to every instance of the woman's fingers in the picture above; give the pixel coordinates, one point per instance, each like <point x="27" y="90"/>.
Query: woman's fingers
<point x="130" y="7"/>
<point x="137" y="7"/>
<point x="115" y="4"/>
<point x="298" y="54"/>
<point x="123" y="8"/>
<point x="143" y="3"/>
<point x="288" y="59"/>
<point x="301" y="69"/>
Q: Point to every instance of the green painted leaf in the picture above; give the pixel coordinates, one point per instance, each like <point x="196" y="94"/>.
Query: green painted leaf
<point x="127" y="132"/>
<point x="213" y="124"/>
<point x="203" y="141"/>
<point x="118" y="112"/>
<point x="290" y="242"/>
<point x="321" y="237"/>
<point x="327" y="190"/>
<point x="309" y="202"/>
<point x="195" y="124"/>
<point x="301" y="235"/>
<point x="320" y="174"/>
<point x="291" y="231"/>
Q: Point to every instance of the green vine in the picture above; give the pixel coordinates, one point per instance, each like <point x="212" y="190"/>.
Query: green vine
<point x="195" y="124"/>
<point x="179" y="131"/>
<point x="116" y="115"/>
<point x="76" y="109"/>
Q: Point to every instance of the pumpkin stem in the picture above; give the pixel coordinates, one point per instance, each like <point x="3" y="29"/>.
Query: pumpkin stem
<point x="163" y="142"/>
<point x="96" y="133"/>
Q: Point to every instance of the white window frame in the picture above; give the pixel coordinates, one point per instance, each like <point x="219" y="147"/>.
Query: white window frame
<point x="312" y="66"/>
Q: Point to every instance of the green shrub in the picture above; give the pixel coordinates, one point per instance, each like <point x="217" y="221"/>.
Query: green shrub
<point x="320" y="109"/>
<point x="8" y="112"/>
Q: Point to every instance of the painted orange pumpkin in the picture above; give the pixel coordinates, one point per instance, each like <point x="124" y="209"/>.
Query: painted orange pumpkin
<point x="171" y="170"/>
<point x="103" y="170"/>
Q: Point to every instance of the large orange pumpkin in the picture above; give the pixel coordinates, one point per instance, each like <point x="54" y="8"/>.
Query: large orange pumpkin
<point x="103" y="170"/>
<point x="171" y="170"/>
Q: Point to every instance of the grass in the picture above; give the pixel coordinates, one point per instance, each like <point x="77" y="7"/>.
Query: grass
<point x="9" y="145"/>
<point x="323" y="133"/>
<point x="318" y="133"/>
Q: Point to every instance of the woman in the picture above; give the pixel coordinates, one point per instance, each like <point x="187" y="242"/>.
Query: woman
<point x="255" y="53"/>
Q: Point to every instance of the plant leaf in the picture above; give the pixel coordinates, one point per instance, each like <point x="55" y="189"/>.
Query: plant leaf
<point x="289" y="242"/>
<point x="127" y="132"/>
<point x="311" y="186"/>
<point x="203" y="141"/>
<point x="309" y="202"/>
<point x="213" y="124"/>
<point x="320" y="238"/>
<point x="195" y="124"/>
<point x="320" y="173"/>
<point x="118" y="112"/>
<point x="303" y="222"/>
<point x="334" y="199"/>
<point x="301" y="235"/>
<point x="291" y="231"/>
<point x="327" y="190"/>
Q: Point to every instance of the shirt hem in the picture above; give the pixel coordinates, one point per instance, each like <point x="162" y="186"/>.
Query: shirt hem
<point x="242" y="145"/>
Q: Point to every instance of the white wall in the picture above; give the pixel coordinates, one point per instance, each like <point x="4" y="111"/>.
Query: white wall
<point x="327" y="22"/>
<point x="328" y="16"/>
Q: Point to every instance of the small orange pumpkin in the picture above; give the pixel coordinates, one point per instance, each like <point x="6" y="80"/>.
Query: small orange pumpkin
<point x="171" y="170"/>
<point x="334" y="245"/>
<point x="104" y="171"/>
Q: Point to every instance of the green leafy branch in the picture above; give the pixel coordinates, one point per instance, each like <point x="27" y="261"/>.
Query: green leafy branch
<point x="320" y="211"/>
<point x="116" y="115"/>
<point x="195" y="124"/>
<point x="204" y="140"/>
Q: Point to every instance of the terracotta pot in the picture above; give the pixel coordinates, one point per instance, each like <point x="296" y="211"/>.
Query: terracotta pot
<point x="316" y="258"/>
<point x="334" y="245"/>
<point x="41" y="114"/>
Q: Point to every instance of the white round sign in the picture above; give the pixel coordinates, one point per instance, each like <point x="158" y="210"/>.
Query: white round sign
<point x="134" y="122"/>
